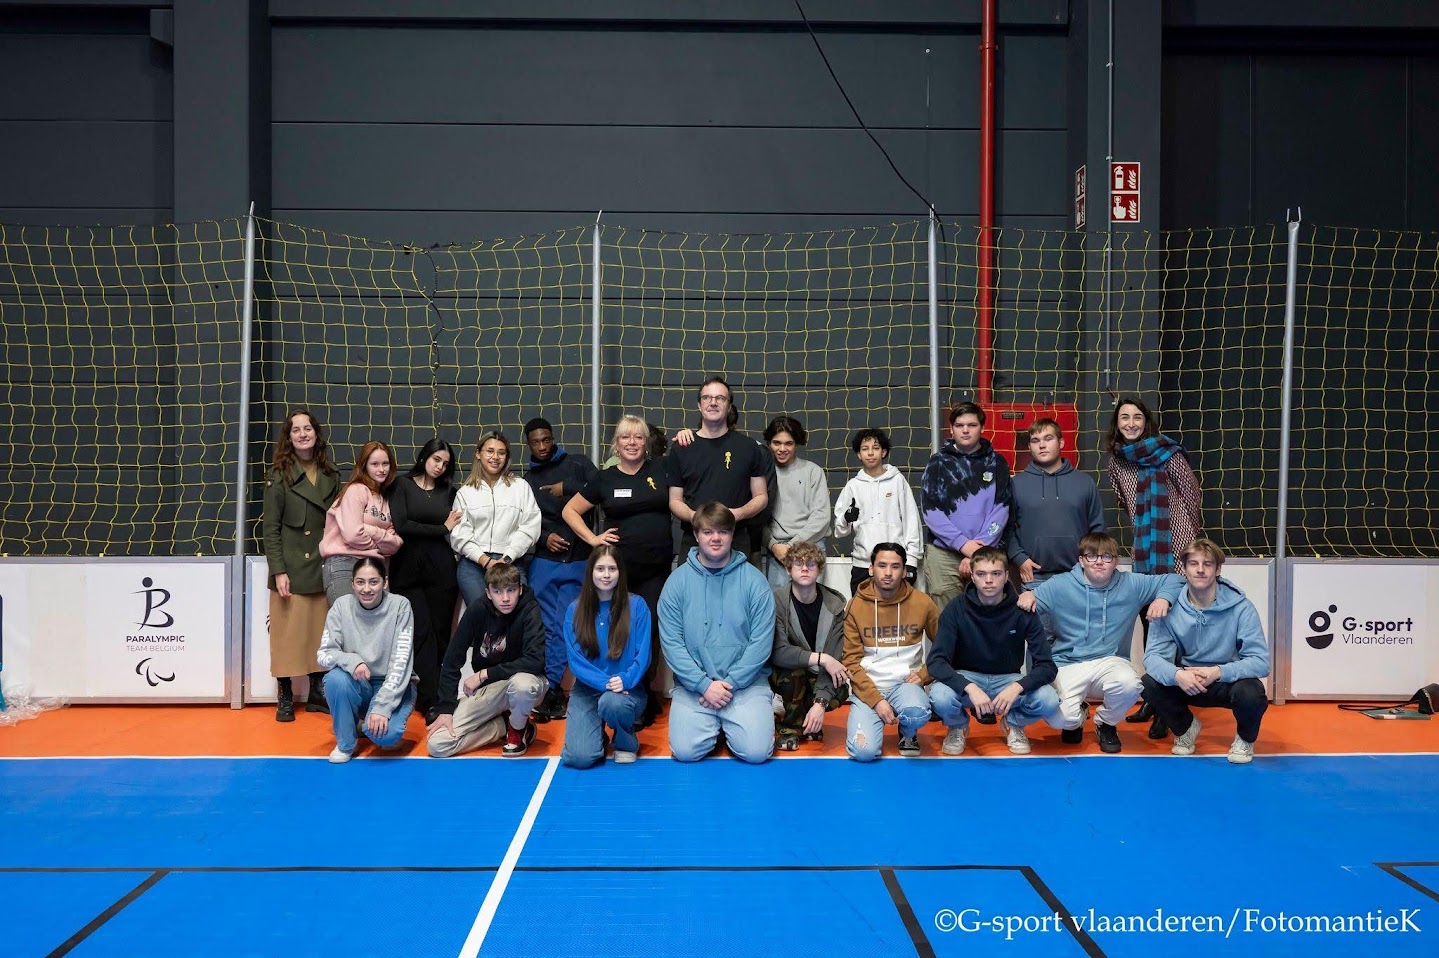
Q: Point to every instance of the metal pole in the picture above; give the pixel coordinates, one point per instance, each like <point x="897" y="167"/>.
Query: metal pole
<point x="238" y="632"/>
<point x="934" y="330"/>
<point x="595" y="343"/>
<point x="1281" y="644"/>
<point x="1108" y="334"/>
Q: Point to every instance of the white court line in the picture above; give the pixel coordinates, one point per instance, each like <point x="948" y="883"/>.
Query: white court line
<point x="481" y="927"/>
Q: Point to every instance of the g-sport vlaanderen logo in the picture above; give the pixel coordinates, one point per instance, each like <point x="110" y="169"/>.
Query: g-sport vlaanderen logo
<point x="1354" y="631"/>
<point x="150" y="675"/>
<point x="1319" y="621"/>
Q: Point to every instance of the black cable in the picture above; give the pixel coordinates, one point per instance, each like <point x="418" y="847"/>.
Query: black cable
<point x="858" y="119"/>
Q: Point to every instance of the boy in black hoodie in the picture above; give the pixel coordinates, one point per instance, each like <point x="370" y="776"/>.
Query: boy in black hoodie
<point x="975" y="661"/>
<point x="507" y="634"/>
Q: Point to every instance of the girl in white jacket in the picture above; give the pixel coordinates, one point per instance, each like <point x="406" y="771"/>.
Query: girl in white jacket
<point x="877" y="506"/>
<point x="499" y="518"/>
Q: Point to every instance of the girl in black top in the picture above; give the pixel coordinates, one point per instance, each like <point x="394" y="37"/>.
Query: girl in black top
<point x="634" y="496"/>
<point x="423" y="571"/>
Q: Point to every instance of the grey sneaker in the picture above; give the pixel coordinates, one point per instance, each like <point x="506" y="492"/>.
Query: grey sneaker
<point x="1184" y="744"/>
<point x="909" y="747"/>
<point x="954" y="741"/>
<point x="1017" y="741"/>
<point x="339" y="756"/>
<point x="624" y="758"/>
<point x="1241" y="752"/>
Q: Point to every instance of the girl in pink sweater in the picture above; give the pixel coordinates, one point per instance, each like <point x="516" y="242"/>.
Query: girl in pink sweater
<point x="358" y="524"/>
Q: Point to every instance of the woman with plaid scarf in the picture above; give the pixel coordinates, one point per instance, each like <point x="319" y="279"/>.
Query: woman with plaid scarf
<point x="1153" y="482"/>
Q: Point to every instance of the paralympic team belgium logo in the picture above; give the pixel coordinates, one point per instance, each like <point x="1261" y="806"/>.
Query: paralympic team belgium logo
<point x="154" y="617"/>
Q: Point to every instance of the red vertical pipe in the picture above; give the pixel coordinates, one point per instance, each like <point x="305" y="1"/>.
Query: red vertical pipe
<point x="984" y="330"/>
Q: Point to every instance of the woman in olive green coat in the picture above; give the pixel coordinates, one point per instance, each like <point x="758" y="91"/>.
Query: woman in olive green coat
<point x="299" y="488"/>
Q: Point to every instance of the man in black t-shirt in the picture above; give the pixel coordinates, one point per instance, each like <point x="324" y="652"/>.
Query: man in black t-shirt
<point x="722" y="466"/>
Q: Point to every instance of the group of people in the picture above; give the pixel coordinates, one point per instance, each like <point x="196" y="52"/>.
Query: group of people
<point x="1025" y="617"/>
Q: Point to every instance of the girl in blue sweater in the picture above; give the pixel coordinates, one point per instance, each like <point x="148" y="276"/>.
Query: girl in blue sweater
<point x="607" y="637"/>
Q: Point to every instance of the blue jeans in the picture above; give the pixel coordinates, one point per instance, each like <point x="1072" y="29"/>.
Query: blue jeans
<point x="589" y="713"/>
<point x="349" y="701"/>
<point x="471" y="578"/>
<point x="864" y="732"/>
<point x="1030" y="707"/>
<point x="556" y="585"/>
<point x="748" y="723"/>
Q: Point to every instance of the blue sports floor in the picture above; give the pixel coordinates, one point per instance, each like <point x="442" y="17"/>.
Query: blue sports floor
<point x="1135" y="855"/>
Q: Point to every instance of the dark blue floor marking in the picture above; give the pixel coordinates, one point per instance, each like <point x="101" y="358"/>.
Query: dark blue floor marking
<point x="69" y="944"/>
<point x="1399" y="871"/>
<point x="917" y="937"/>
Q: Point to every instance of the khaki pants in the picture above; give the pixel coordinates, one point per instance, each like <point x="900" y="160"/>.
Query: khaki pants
<point x="941" y="574"/>
<point x="479" y="719"/>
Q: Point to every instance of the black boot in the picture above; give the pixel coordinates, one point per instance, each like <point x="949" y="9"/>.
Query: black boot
<point x="316" y="701"/>
<point x="1158" y="728"/>
<point x="1145" y="714"/>
<point x="285" y="709"/>
<point x="552" y="707"/>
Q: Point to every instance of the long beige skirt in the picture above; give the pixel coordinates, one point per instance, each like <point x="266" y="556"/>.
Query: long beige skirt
<point x="295" y="627"/>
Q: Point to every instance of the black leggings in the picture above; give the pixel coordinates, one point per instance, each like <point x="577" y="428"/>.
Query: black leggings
<point x="434" y="608"/>
<point x="646" y="580"/>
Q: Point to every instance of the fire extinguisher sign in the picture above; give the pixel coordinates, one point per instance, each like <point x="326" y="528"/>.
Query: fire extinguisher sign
<point x="1123" y="192"/>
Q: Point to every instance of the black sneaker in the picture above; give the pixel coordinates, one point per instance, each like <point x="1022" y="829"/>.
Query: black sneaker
<point x="909" y="747"/>
<point x="786" y="742"/>
<point x="1108" y="737"/>
<point x="517" y="741"/>
<point x="552" y="706"/>
<point x="1072" y="736"/>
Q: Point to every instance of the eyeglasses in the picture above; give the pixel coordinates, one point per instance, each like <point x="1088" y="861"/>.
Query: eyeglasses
<point x="1092" y="558"/>
<point x="719" y="400"/>
<point x="804" y="564"/>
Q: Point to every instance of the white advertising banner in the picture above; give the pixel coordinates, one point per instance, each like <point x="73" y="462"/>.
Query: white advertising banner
<point x="117" y="629"/>
<point x="259" y="683"/>
<point x="1362" y="630"/>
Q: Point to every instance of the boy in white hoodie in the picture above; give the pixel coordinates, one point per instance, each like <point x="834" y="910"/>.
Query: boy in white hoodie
<point x="877" y="505"/>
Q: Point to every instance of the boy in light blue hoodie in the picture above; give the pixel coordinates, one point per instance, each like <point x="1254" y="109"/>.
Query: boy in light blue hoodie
<point x="716" y="617"/>
<point x="1092" y="609"/>
<point x="1223" y="656"/>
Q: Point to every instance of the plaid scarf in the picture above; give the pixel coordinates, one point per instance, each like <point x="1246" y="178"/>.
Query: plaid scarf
<point x="1153" y="543"/>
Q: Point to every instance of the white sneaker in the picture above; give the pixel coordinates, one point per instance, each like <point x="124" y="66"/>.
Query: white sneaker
<point x="339" y="756"/>
<point x="1184" y="744"/>
<point x="1241" y="752"/>
<point x="776" y="702"/>
<point x="954" y="741"/>
<point x="624" y="758"/>
<point x="1017" y="741"/>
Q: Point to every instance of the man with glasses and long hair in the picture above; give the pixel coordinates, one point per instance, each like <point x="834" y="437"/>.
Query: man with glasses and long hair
<point x="1092" y="609"/>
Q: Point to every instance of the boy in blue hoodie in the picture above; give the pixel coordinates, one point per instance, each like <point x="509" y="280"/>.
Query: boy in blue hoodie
<point x="1223" y="656"/>
<point x="976" y="661"/>
<point x="1092" y="609"/>
<point x="1054" y="505"/>
<point x="964" y="501"/>
<point x="717" y="630"/>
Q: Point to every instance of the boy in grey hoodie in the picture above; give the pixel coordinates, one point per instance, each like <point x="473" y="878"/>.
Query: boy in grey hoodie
<point x="1223" y="656"/>
<point x="1054" y="505"/>
<point x="1092" y="609"/>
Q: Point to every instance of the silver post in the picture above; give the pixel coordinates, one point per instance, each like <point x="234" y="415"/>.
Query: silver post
<point x="238" y="632"/>
<point x="1108" y="334"/>
<point x="934" y="330"/>
<point x="595" y="343"/>
<point x="1279" y="624"/>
